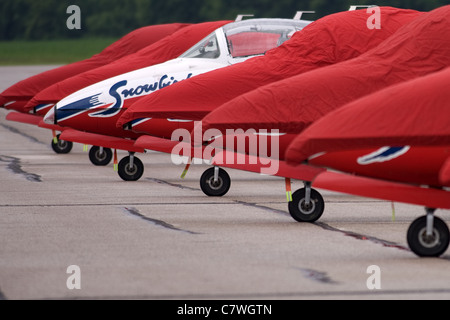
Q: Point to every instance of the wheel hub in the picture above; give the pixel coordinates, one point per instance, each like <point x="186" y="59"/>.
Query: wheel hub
<point x="306" y="208"/>
<point x="215" y="184"/>
<point x="429" y="241"/>
<point x="62" y="144"/>
<point x="130" y="170"/>
<point x="100" y="155"/>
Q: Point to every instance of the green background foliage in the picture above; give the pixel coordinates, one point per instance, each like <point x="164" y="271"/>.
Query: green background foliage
<point x="46" y="19"/>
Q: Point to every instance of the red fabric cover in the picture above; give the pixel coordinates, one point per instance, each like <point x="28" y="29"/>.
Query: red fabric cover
<point x="130" y="43"/>
<point x="415" y="112"/>
<point x="329" y="40"/>
<point x="290" y="105"/>
<point x="168" y="48"/>
<point x="444" y="175"/>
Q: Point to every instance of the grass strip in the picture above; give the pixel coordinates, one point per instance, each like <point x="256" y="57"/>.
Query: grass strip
<point x="50" y="51"/>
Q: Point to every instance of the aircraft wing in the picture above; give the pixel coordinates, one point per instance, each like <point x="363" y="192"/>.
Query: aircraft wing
<point x="275" y="167"/>
<point x="55" y="127"/>
<point x="346" y="183"/>
<point x="169" y="146"/>
<point x="380" y="189"/>
<point x="24" y="118"/>
<point x="100" y="140"/>
<point x="156" y="144"/>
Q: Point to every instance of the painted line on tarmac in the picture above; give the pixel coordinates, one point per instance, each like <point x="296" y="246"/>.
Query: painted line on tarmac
<point x="111" y="204"/>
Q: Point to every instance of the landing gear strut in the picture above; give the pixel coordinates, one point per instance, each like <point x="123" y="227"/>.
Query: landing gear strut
<point x="428" y="236"/>
<point x="307" y="204"/>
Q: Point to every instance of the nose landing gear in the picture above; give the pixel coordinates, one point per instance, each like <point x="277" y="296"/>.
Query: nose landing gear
<point x="428" y="236"/>
<point x="307" y="204"/>
<point x="100" y="156"/>
<point x="130" y="168"/>
<point x="215" y="182"/>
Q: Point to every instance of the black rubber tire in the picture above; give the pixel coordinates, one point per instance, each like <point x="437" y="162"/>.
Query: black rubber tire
<point x="215" y="189"/>
<point x="62" y="146"/>
<point x="130" y="174"/>
<point x="424" y="246"/>
<point x="100" y="159"/>
<point x="302" y="213"/>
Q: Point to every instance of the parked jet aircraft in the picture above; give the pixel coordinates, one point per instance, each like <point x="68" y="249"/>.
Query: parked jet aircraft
<point x="19" y="94"/>
<point x="399" y="140"/>
<point x="160" y="51"/>
<point x="292" y="104"/>
<point x="163" y="50"/>
<point x="96" y="108"/>
<point x="306" y="51"/>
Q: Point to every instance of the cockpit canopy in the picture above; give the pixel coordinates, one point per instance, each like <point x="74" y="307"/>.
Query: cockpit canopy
<point x="247" y="38"/>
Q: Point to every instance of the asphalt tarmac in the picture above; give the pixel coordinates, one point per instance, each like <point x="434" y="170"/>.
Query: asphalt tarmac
<point x="161" y="238"/>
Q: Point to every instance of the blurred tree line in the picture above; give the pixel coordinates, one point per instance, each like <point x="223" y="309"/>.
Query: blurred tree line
<point x="46" y="19"/>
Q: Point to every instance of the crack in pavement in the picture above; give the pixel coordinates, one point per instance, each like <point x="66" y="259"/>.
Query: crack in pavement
<point x="317" y="276"/>
<point x="136" y="213"/>
<point x="324" y="226"/>
<point x="355" y="235"/>
<point x="251" y="204"/>
<point x="15" y="166"/>
<point x="171" y="184"/>
<point x="327" y="227"/>
<point x="359" y="236"/>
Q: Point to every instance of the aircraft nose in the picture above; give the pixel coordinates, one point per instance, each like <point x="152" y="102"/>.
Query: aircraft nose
<point x="2" y="101"/>
<point x="50" y="118"/>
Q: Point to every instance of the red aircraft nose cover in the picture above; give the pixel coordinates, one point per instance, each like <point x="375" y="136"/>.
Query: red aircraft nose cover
<point x="329" y="40"/>
<point x="415" y="112"/>
<point x="130" y="43"/>
<point x="444" y="175"/>
<point x="165" y="49"/>
<point x="417" y="49"/>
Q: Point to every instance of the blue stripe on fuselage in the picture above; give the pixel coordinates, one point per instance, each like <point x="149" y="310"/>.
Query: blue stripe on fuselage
<point x="76" y="107"/>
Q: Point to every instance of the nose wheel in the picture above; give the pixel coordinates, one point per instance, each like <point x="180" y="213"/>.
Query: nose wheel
<point x="307" y="204"/>
<point x="428" y="236"/>
<point x="61" y="146"/>
<point x="130" y="168"/>
<point x="215" y="182"/>
<point x="100" y="156"/>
